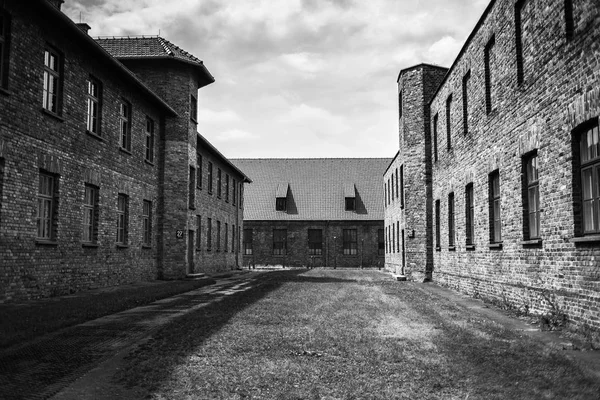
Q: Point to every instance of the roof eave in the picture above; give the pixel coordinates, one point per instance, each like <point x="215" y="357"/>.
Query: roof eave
<point x="216" y="152"/>
<point x="83" y="35"/>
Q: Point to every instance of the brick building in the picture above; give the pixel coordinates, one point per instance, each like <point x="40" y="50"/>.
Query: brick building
<point x="102" y="171"/>
<point x="313" y="212"/>
<point x="504" y="144"/>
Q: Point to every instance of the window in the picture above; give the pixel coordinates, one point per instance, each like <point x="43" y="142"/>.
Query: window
<point x="192" y="189"/>
<point x="241" y="194"/>
<point x="209" y="234"/>
<point x="519" y="40"/>
<point x="94" y="101"/>
<point x="465" y="98"/>
<point x="589" y="174"/>
<point x="125" y="125"/>
<point x="198" y="232"/>
<point x="448" y="123"/>
<point x="234" y="187"/>
<point x="451" y="233"/>
<point x="248" y="241"/>
<point x="4" y="46"/>
<point x="389" y="199"/>
<point x="315" y="242"/>
<point x="397" y="189"/>
<point x="218" y="235"/>
<point x="280" y="204"/>
<point x="494" y="198"/>
<point x="435" y="138"/>
<point x="531" y="198"/>
<point x="193" y="108"/>
<point x="569" y="22"/>
<point x="403" y="253"/>
<point x="489" y="75"/>
<point x="199" y="176"/>
<point x="47" y="206"/>
<point x="233" y="238"/>
<point x="122" y="218"/>
<point x="279" y="241"/>
<point x="438" y="243"/>
<point x="227" y="188"/>
<point x="350" y="203"/>
<point x="469" y="215"/>
<point x="380" y="242"/>
<point x="350" y="241"/>
<point x="402" y="186"/>
<point x="393" y="237"/>
<point x="1" y="185"/>
<point x="52" y="81"/>
<point x="398" y="235"/>
<point x="210" y="177"/>
<point x="392" y="187"/>
<point x="147" y="223"/>
<point x="385" y="194"/>
<point x="219" y="183"/>
<point x="90" y="214"/>
<point x="400" y="105"/>
<point x="149" y="155"/>
<point x="226" y="237"/>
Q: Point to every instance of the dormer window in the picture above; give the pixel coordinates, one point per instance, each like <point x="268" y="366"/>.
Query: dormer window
<point x="281" y="194"/>
<point x="280" y="204"/>
<point x="350" y="203"/>
<point x="350" y="196"/>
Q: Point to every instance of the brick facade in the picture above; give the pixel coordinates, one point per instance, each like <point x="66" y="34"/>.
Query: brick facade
<point x="523" y="86"/>
<point x="297" y="252"/>
<point x="35" y="142"/>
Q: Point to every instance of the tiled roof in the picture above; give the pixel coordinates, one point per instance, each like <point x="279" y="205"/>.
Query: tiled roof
<point x="143" y="47"/>
<point x="317" y="188"/>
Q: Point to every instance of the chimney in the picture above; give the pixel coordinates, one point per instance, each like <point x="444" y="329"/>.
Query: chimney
<point x="56" y="3"/>
<point x="84" y="27"/>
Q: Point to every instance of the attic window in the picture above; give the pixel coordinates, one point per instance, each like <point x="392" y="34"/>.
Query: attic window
<point x="350" y="203"/>
<point x="350" y="196"/>
<point x="280" y="204"/>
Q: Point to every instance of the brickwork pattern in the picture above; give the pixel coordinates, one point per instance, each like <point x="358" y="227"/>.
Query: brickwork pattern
<point x="558" y="92"/>
<point x="297" y="244"/>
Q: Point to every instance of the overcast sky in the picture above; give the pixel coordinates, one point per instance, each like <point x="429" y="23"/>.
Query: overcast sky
<point x="297" y="78"/>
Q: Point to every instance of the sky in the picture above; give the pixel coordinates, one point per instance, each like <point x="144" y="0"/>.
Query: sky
<point x="296" y="78"/>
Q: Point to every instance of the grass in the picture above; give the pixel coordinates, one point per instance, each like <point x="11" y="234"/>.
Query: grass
<point x="20" y="322"/>
<point x="346" y="335"/>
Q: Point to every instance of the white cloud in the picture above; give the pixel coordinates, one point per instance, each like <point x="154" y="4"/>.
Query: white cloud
<point x="444" y="51"/>
<point x="234" y="135"/>
<point x="217" y="117"/>
<point x="316" y="120"/>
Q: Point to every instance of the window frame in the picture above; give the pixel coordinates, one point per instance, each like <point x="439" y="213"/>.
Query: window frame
<point x="198" y="232"/>
<point x="469" y="215"/>
<point x="247" y="241"/>
<point x="209" y="234"/>
<point x="122" y="219"/>
<point x="489" y="74"/>
<point x="218" y="235"/>
<point x="315" y="247"/>
<point x="146" y="223"/>
<point x="402" y="186"/>
<point x="226" y="244"/>
<point x="449" y="123"/>
<point x="495" y="208"/>
<point x="465" y="98"/>
<point x="192" y="188"/>
<point x="226" y="188"/>
<point x="451" y="221"/>
<point x="280" y="204"/>
<point x="193" y="108"/>
<point x="219" y="182"/>
<point x="125" y="117"/>
<point x="90" y="214"/>
<point x="350" y="242"/>
<point x="234" y="194"/>
<point x="210" y="177"/>
<point x="53" y="72"/>
<point x="519" y="41"/>
<point x="47" y="198"/>
<point x="530" y="185"/>
<point x="586" y="129"/>
<point x="279" y="242"/>
<point x="438" y="237"/>
<point x="350" y="203"/>
<point x="435" y="138"/>
<point x="149" y="153"/>
<point x="199" y="161"/>
<point x="94" y="106"/>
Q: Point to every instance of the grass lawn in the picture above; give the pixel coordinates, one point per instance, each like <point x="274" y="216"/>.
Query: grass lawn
<point x="23" y="321"/>
<point x="350" y="334"/>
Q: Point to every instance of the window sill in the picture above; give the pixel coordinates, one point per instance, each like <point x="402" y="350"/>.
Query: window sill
<point x="146" y="246"/>
<point x="53" y="115"/>
<point x="122" y="246"/>
<point x="90" y="244"/>
<point x="438" y="249"/>
<point x="192" y="207"/>
<point x="585" y="239"/>
<point x="495" y="246"/>
<point x="470" y="247"/>
<point x="451" y="248"/>
<point x="44" y="242"/>
<point x="95" y="136"/>
<point x="4" y="92"/>
<point x="199" y="187"/>
<point x="492" y="113"/>
<point x="209" y="250"/>
<point x="148" y="162"/>
<point x="531" y="242"/>
<point x="125" y="151"/>
<point x="198" y="249"/>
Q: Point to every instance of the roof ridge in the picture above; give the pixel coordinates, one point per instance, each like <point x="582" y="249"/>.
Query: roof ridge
<point x="126" y="37"/>
<point x="164" y="45"/>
